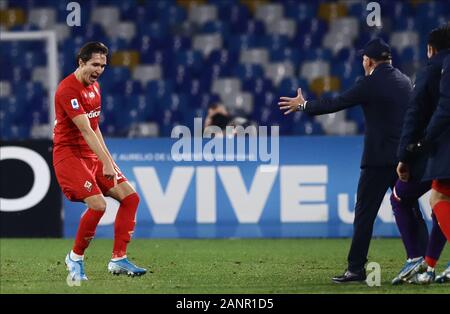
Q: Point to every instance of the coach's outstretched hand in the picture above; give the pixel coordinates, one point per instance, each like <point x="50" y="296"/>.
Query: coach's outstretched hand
<point x="291" y="104"/>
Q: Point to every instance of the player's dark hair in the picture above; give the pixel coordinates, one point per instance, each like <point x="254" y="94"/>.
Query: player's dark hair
<point x="85" y="53"/>
<point x="439" y="38"/>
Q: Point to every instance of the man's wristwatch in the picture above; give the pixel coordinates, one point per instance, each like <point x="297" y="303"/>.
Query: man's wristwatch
<point x="301" y="107"/>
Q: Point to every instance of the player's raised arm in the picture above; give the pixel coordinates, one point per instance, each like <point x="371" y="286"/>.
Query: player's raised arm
<point x="82" y="123"/>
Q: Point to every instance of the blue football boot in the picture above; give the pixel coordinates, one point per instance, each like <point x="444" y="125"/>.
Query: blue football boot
<point x="124" y="266"/>
<point x="444" y="276"/>
<point x="409" y="270"/>
<point x="76" y="269"/>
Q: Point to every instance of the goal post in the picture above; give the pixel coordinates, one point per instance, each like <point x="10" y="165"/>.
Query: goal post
<point x="52" y="63"/>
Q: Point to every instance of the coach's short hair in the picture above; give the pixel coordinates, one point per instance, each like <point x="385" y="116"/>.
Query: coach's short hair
<point x="439" y="38"/>
<point x="85" y="53"/>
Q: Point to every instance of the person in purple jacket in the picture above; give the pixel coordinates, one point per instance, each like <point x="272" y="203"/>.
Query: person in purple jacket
<point x="412" y="164"/>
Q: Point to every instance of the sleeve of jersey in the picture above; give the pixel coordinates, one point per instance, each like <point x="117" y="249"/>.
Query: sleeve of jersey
<point x="71" y="104"/>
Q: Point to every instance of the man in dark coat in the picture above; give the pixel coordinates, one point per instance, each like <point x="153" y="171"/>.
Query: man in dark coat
<point x="383" y="95"/>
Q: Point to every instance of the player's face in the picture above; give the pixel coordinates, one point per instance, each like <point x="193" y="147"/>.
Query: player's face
<point x="93" y="68"/>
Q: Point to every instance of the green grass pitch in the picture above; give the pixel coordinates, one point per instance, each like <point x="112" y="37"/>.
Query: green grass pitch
<point x="178" y="266"/>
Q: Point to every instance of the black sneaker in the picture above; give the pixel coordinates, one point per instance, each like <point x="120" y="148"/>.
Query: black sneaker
<point x="350" y="276"/>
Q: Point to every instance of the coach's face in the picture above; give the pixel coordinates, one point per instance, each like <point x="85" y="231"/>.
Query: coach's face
<point x="93" y="68"/>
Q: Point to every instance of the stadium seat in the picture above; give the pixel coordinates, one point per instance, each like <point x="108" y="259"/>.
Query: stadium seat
<point x="223" y="57"/>
<point x="114" y="75"/>
<point x="202" y="13"/>
<point x="332" y="10"/>
<point x="314" y="69"/>
<point x="236" y="14"/>
<point x="249" y="27"/>
<point x="318" y="54"/>
<point x="285" y="27"/>
<point x="273" y="42"/>
<point x="122" y="30"/>
<point x="302" y="124"/>
<point x="217" y="71"/>
<point x="157" y="89"/>
<point x="171" y="14"/>
<point x="44" y="18"/>
<point x="12" y="17"/>
<point x="5" y="89"/>
<point x="207" y="43"/>
<point x="40" y="74"/>
<point x="106" y="16"/>
<point x="217" y="27"/>
<point x="286" y="54"/>
<point x="192" y="59"/>
<point x="145" y="73"/>
<point x="324" y="84"/>
<point x="128" y="87"/>
<point x="278" y="71"/>
<point x="226" y="86"/>
<point x="257" y="85"/>
<point x="144" y="130"/>
<point x="269" y="13"/>
<point x="128" y="59"/>
<point x="239" y="103"/>
<point x="345" y="25"/>
<point x="337" y="41"/>
<point x="203" y="101"/>
<point x="403" y="39"/>
<point x="299" y="11"/>
<point x="179" y="74"/>
<point x="237" y="43"/>
<point x="288" y="86"/>
<point x="62" y="32"/>
<point x="194" y="87"/>
<point x="248" y="71"/>
<point x="254" y="56"/>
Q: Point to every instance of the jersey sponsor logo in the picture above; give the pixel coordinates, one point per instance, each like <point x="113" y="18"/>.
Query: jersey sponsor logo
<point x="88" y="186"/>
<point x="74" y="103"/>
<point x="93" y="114"/>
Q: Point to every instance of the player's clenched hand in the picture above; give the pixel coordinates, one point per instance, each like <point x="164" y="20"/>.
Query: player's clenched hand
<point x="403" y="171"/>
<point x="291" y="104"/>
<point x="109" y="172"/>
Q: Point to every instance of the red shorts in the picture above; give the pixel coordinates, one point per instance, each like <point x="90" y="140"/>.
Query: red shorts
<point x="442" y="186"/>
<point x="83" y="177"/>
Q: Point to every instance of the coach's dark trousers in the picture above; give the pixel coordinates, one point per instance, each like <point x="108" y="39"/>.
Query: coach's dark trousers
<point x="372" y="186"/>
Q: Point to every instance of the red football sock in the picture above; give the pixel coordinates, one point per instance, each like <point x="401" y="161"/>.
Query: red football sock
<point x="442" y="212"/>
<point x="430" y="261"/>
<point x="86" y="230"/>
<point x="124" y="224"/>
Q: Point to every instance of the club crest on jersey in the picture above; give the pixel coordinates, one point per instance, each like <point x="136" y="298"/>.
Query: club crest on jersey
<point x="74" y="103"/>
<point x="88" y="186"/>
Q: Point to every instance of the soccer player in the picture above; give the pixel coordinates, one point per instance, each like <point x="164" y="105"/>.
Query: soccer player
<point x="411" y="167"/>
<point x="83" y="164"/>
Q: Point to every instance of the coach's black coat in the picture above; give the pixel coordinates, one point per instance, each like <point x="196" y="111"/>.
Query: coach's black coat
<point x="384" y="97"/>
<point x="423" y="103"/>
<point x="438" y="130"/>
